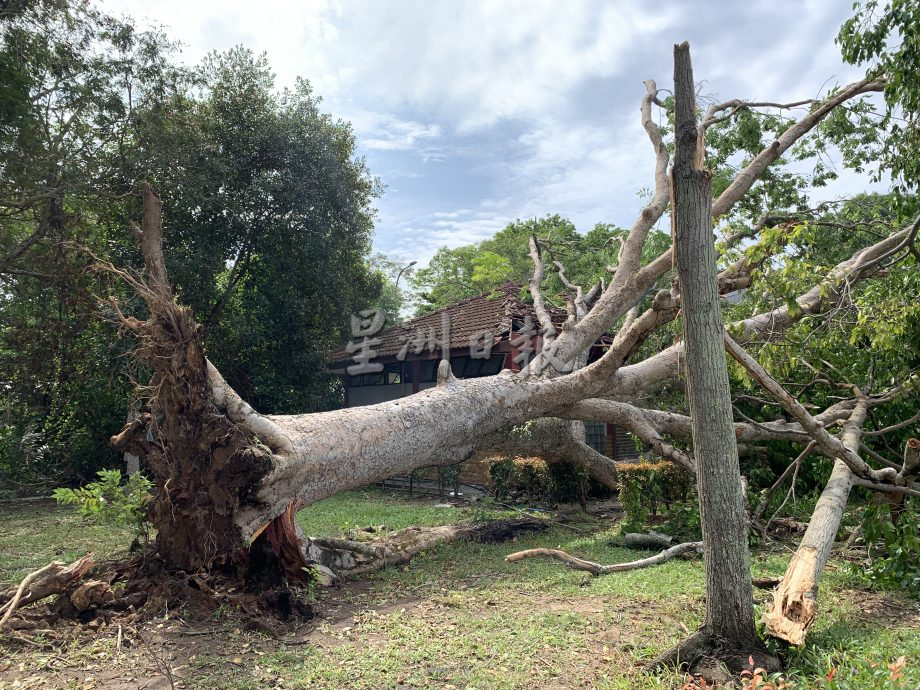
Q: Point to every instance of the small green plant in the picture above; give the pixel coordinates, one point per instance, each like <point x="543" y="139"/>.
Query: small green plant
<point x="522" y="480"/>
<point x="894" y="549"/>
<point x="110" y="501"/>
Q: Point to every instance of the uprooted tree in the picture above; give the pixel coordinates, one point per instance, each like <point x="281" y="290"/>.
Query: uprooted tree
<point x="229" y="479"/>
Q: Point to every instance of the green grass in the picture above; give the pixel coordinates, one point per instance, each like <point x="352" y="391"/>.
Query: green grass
<point x="34" y="533"/>
<point x="459" y="616"/>
<point x="372" y="507"/>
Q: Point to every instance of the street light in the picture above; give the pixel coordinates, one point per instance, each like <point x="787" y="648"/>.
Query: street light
<point x="406" y="267"/>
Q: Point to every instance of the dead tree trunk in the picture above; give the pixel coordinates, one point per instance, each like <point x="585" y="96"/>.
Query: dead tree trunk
<point x="728" y="633"/>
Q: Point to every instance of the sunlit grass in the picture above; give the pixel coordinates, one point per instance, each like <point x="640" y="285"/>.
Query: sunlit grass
<point x="459" y="616"/>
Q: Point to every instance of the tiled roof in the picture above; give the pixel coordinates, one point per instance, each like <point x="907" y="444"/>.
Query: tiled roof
<point x="493" y="312"/>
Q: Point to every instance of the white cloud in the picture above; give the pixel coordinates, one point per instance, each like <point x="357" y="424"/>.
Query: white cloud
<point x="478" y="63"/>
<point x="383" y="132"/>
<point x="479" y="113"/>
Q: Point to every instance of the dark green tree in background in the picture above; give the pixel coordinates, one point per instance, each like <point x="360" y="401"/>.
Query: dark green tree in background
<point x="268" y="223"/>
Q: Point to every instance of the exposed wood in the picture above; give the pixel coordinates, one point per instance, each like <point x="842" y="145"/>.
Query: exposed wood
<point x="91" y="594"/>
<point x="911" y="464"/>
<point x="17" y="596"/>
<point x="54" y="578"/>
<point x="599" y="569"/>
<point x="795" y="601"/>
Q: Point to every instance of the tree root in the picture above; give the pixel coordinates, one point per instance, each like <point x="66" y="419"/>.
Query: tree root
<point x="599" y="569"/>
<point x="54" y="578"/>
<point x="716" y="659"/>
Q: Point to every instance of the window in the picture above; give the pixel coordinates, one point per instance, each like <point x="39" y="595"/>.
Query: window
<point x="391" y="374"/>
<point x="466" y="367"/>
<point x="428" y="370"/>
<point x="596" y="436"/>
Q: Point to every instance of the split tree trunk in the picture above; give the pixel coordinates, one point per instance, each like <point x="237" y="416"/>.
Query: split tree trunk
<point x="795" y="601"/>
<point x="728" y="633"/>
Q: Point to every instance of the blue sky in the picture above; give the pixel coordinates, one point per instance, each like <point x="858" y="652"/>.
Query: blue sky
<point x="475" y="113"/>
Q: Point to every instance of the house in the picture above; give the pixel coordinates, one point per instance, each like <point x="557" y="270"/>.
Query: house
<point x="480" y="336"/>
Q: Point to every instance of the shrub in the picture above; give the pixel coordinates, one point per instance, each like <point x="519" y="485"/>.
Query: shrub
<point x="648" y="488"/>
<point x="522" y="479"/>
<point x="111" y="502"/>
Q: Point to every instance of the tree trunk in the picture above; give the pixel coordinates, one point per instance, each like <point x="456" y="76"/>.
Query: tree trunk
<point x="728" y="632"/>
<point x="795" y="601"/>
<point x="229" y="480"/>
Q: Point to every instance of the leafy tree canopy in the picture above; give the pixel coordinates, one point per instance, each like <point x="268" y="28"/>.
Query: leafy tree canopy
<point x="473" y="269"/>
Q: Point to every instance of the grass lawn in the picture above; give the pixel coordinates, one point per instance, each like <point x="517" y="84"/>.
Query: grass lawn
<point x="457" y="616"/>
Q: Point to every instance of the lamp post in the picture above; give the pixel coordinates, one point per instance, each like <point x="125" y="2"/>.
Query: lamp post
<point x="404" y="268"/>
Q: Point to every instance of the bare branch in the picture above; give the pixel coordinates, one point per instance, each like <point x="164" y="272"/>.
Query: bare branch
<point x="536" y="293"/>
<point x="734" y="105"/>
<point x="597" y="568"/>
<point x="752" y="172"/>
<point x="893" y="427"/>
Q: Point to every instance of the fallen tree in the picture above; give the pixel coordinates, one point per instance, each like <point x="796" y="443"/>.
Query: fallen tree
<point x="230" y="480"/>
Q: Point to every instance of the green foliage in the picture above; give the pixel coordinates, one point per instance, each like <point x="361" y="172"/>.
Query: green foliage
<point x="111" y="502"/>
<point x="267" y="227"/>
<point x="67" y="70"/>
<point x="648" y="489"/>
<point x="535" y="481"/>
<point x="469" y="270"/>
<point x="885" y="37"/>
<point x="894" y="549"/>
<point x="852" y="671"/>
<point x="525" y="480"/>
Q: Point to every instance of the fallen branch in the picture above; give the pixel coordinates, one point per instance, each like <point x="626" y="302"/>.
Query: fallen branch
<point x="349" y="558"/>
<point x="26" y="581"/>
<point x="599" y="569"/>
<point x="648" y="540"/>
<point x="54" y="578"/>
<point x="795" y="600"/>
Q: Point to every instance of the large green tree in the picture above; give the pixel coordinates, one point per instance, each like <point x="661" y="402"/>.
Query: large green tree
<point x="70" y="79"/>
<point x="268" y="221"/>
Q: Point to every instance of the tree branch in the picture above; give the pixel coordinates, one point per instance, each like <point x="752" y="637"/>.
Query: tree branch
<point x="597" y="568"/>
